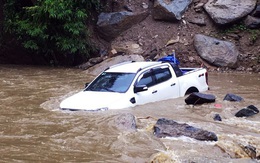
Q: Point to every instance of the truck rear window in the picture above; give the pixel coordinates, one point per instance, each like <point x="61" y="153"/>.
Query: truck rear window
<point x="162" y="74"/>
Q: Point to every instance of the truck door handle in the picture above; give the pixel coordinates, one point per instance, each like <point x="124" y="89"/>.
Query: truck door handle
<point x="173" y="84"/>
<point x="154" y="92"/>
<point x="200" y="75"/>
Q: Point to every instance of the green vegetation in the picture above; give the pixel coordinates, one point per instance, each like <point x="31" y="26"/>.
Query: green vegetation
<point x="255" y="34"/>
<point x="51" y="27"/>
<point x="240" y="27"/>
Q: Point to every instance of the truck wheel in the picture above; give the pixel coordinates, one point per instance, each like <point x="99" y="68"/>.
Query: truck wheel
<point x="191" y="90"/>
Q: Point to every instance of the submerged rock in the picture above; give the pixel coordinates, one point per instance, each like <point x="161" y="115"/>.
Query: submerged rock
<point x="232" y="97"/>
<point x="199" y="98"/>
<point x="169" y="128"/>
<point x="126" y="122"/>
<point x="217" y="117"/>
<point x="248" y="111"/>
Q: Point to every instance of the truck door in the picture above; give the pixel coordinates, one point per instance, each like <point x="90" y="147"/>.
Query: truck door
<point x="167" y="85"/>
<point x="148" y="80"/>
<point x="161" y="85"/>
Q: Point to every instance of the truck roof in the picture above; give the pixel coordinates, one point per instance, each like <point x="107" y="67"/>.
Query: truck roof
<point x="131" y="67"/>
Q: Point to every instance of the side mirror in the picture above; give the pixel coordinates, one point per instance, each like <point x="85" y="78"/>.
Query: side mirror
<point x="140" y="88"/>
<point x="86" y="84"/>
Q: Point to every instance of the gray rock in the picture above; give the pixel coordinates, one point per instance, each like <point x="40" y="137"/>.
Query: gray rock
<point x="252" y="22"/>
<point x="228" y="11"/>
<point x="125" y="122"/>
<point x="111" y="25"/>
<point x="248" y="111"/>
<point x="199" y="20"/>
<point x="216" y="52"/>
<point x="170" y="9"/>
<point x="233" y="97"/>
<point x="169" y="128"/>
<point x="96" y="60"/>
<point x="217" y="117"/>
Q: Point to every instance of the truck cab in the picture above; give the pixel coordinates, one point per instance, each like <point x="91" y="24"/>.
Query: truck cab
<point x="135" y="83"/>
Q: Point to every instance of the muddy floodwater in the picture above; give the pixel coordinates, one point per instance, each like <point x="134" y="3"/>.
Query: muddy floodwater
<point x="33" y="129"/>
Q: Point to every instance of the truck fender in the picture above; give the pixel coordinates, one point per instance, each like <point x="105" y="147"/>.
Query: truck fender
<point x="191" y="90"/>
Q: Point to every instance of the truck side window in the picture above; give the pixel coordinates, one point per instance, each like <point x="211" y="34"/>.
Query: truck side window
<point x="162" y="74"/>
<point x="146" y="80"/>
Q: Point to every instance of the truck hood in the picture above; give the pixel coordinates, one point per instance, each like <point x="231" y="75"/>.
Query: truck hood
<point x="90" y="101"/>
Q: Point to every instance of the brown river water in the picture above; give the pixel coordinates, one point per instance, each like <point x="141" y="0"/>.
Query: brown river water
<point x="33" y="129"/>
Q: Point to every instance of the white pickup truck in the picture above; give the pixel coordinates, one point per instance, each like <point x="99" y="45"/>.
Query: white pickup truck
<point x="135" y="83"/>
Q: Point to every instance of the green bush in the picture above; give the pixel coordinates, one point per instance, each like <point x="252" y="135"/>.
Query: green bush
<point x="51" y="27"/>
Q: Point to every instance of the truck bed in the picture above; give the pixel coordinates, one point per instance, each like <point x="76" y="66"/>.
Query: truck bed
<point x="183" y="71"/>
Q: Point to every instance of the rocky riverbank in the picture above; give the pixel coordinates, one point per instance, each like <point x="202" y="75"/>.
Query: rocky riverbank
<point x="201" y="32"/>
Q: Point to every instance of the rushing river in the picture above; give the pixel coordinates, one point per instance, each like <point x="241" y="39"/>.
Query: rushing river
<point x="33" y="129"/>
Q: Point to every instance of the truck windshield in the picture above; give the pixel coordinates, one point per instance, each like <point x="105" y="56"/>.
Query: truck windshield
<point x="111" y="82"/>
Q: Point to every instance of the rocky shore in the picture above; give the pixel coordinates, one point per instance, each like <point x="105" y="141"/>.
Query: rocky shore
<point x="202" y="33"/>
<point x="220" y="35"/>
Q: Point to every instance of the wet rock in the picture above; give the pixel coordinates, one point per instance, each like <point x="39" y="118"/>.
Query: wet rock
<point x="248" y="111"/>
<point x="220" y="10"/>
<point x="126" y="122"/>
<point x="163" y="157"/>
<point x="96" y="60"/>
<point x="216" y="52"/>
<point x="169" y="128"/>
<point x="252" y="22"/>
<point x="98" y="68"/>
<point x="197" y="98"/>
<point x="90" y="63"/>
<point x="85" y="66"/>
<point x="111" y="25"/>
<point x="217" y="117"/>
<point x="250" y="150"/>
<point x="232" y="97"/>
<point x="170" y="9"/>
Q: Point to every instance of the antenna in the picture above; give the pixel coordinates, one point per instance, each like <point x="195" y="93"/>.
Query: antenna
<point x="173" y="52"/>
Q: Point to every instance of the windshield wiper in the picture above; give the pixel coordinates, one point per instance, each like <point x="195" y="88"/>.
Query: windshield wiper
<point x="107" y="89"/>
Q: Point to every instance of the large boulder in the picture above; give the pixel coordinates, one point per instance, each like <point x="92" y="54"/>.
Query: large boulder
<point x="169" y="128"/>
<point x="228" y="11"/>
<point x="111" y="25"/>
<point x="170" y="9"/>
<point x="217" y="52"/>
